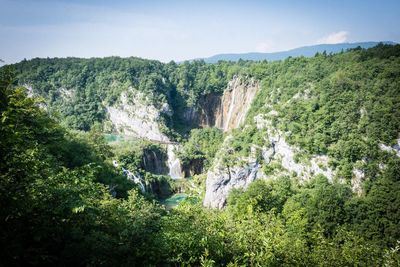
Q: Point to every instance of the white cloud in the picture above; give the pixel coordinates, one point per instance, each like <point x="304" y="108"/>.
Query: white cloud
<point x="334" y="38"/>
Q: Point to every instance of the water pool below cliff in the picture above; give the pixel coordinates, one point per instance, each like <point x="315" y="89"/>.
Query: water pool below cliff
<point x="173" y="201"/>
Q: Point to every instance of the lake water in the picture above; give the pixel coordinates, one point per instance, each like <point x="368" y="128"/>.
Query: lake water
<point x="173" y="201"/>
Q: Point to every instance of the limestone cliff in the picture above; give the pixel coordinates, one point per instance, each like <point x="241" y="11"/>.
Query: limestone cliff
<point x="155" y="161"/>
<point x="276" y="151"/>
<point x="134" y="115"/>
<point x="235" y="103"/>
<point x="226" y="111"/>
<point x="222" y="178"/>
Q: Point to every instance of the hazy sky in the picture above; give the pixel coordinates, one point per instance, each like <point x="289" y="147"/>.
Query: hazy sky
<point x="177" y="30"/>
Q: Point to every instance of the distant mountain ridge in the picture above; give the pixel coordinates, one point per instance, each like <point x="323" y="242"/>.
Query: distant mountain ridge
<point x="306" y="51"/>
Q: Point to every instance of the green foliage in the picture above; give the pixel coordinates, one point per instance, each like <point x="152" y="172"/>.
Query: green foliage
<point x="261" y="196"/>
<point x="198" y="78"/>
<point x="80" y="89"/>
<point x="274" y="223"/>
<point x="76" y="88"/>
<point x="201" y="147"/>
<point x="342" y="105"/>
<point x="190" y="232"/>
<point x="53" y="210"/>
<point x="377" y="214"/>
<point x="56" y="209"/>
<point x="345" y="249"/>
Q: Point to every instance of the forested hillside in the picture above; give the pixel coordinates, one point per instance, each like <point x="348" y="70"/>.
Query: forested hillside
<point x="306" y="51"/>
<point x="79" y="89"/>
<point x="344" y="106"/>
<point x="310" y="177"/>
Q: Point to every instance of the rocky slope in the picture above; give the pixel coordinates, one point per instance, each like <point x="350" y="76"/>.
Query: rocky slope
<point x="276" y="152"/>
<point x="134" y="115"/>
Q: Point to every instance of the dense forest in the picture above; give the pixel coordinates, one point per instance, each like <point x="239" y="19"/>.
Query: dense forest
<point x="98" y="81"/>
<point x="63" y="202"/>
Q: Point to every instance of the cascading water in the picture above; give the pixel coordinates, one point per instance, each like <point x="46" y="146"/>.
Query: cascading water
<point x="130" y="176"/>
<point x="174" y="164"/>
<point x="157" y="163"/>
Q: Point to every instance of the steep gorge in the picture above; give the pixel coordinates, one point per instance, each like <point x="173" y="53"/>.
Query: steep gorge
<point x="274" y="153"/>
<point x="306" y="110"/>
<point x="308" y="169"/>
<point x="134" y="116"/>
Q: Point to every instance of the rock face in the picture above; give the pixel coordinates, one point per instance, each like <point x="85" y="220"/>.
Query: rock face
<point x="194" y="167"/>
<point x="235" y="103"/>
<point x="134" y="117"/>
<point x="155" y="162"/>
<point x="226" y="111"/>
<point x="203" y="114"/>
<point x="221" y="179"/>
<point x="391" y="149"/>
<point x="286" y="154"/>
<point x="356" y="181"/>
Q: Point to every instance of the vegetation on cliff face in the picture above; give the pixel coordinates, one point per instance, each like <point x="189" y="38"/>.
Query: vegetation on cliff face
<point x="344" y="106"/>
<point x="341" y="105"/>
<point x="199" y="150"/>
<point x="80" y="89"/>
<point x="56" y="208"/>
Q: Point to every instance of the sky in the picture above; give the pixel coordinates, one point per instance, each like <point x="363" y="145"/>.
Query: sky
<point x="180" y="30"/>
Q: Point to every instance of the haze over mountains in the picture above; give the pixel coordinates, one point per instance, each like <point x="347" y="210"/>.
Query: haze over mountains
<point x="306" y="51"/>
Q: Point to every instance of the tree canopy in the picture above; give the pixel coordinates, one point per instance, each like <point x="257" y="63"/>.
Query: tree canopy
<point x="56" y="203"/>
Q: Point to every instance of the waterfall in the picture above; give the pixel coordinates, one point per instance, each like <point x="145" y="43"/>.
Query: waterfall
<point x="131" y="176"/>
<point x="154" y="161"/>
<point x="157" y="166"/>
<point x="138" y="180"/>
<point x="174" y="164"/>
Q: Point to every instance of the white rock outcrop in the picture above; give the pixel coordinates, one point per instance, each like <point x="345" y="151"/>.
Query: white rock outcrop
<point x="391" y="149"/>
<point x="29" y="90"/>
<point x="356" y="181"/>
<point x="221" y="179"/>
<point x="135" y="116"/>
<point x="285" y="153"/>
